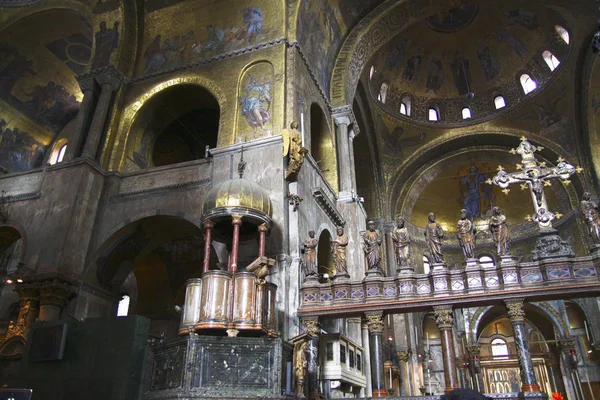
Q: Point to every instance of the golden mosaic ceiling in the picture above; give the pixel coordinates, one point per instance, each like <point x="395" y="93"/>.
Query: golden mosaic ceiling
<point x="480" y="47"/>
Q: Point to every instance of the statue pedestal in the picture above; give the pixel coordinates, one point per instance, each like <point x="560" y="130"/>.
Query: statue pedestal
<point x="438" y="266"/>
<point x="440" y="279"/>
<point x="474" y="275"/>
<point x="373" y="273"/>
<point x="471" y="262"/>
<point x="405" y="270"/>
<point x="341" y="277"/>
<point x="509" y="270"/>
<point x="550" y="245"/>
<point x="595" y="250"/>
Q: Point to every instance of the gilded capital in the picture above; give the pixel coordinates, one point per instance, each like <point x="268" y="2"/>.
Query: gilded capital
<point x="443" y="317"/>
<point x="374" y="321"/>
<point x="311" y="326"/>
<point x="515" y="310"/>
<point x="236" y="219"/>
<point x="55" y="293"/>
<point x="403" y="355"/>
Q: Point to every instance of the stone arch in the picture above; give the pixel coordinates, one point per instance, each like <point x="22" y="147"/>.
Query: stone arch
<point x="131" y="112"/>
<point x="18" y="229"/>
<point x="324" y="257"/>
<point x="47" y="5"/>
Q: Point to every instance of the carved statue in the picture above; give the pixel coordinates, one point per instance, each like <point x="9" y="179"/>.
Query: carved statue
<point x="589" y="209"/>
<point x="338" y="251"/>
<point x="372" y="247"/>
<point x="401" y="240"/>
<point x="499" y="229"/>
<point x="309" y="248"/>
<point x="292" y="147"/>
<point x="464" y="233"/>
<point x="434" y="235"/>
<point x="300" y="366"/>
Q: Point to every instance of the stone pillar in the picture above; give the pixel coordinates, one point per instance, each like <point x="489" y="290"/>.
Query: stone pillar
<point x="208" y="227"/>
<point x="109" y="82"/>
<point x="404" y="373"/>
<point x="311" y="328"/>
<point x="29" y="308"/>
<point x="53" y="297"/>
<point x="236" y="221"/>
<point x="375" y="325"/>
<point x="444" y="321"/>
<point x="262" y="239"/>
<point x="517" y="320"/>
<point x="342" y="120"/>
<point x="367" y="359"/>
<point x="77" y="136"/>
<point x="389" y="249"/>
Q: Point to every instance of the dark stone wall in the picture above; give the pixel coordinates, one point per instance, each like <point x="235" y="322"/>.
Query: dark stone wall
<point x="103" y="359"/>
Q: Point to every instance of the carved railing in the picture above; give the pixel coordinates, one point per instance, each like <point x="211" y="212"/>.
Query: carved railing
<point x="548" y="278"/>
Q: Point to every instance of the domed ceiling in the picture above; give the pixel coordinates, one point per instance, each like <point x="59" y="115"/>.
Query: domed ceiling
<point x="481" y="48"/>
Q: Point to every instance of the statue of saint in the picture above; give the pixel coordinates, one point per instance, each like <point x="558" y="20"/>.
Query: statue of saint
<point x="338" y="251"/>
<point x="401" y="241"/>
<point x="309" y="248"/>
<point x="464" y="233"/>
<point x="499" y="229"/>
<point x="372" y="247"/>
<point x="434" y="235"/>
<point x="589" y="209"/>
<point x="300" y="366"/>
<point x="292" y="147"/>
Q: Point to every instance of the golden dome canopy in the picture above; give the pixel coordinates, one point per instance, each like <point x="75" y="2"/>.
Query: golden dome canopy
<point x="237" y="195"/>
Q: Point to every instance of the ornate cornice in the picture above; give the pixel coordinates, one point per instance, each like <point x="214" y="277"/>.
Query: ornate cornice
<point x="327" y="205"/>
<point x="345" y="115"/>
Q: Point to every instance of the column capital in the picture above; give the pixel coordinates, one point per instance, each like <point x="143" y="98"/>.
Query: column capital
<point x="344" y="115"/>
<point x="236" y="219"/>
<point x="374" y="321"/>
<point x="263" y="228"/>
<point x="403" y="355"/>
<point x="443" y="317"/>
<point x="208" y="224"/>
<point x="55" y="293"/>
<point x="515" y="310"/>
<point x="86" y="83"/>
<point x="311" y="326"/>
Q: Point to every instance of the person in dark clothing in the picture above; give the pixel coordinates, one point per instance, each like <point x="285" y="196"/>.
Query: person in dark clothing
<point x="463" y="394"/>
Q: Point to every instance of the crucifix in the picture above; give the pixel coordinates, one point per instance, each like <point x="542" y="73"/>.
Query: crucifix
<point x="535" y="175"/>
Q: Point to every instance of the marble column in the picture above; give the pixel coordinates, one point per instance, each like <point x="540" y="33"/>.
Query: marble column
<point x="342" y="120"/>
<point x="390" y="254"/>
<point x="375" y="325"/>
<point x="82" y="120"/>
<point x="262" y="239"/>
<point x="29" y="308"/>
<point x="404" y="373"/>
<point x="236" y="221"/>
<point x="109" y="82"/>
<point x="367" y="359"/>
<point x="53" y="297"/>
<point x="517" y="320"/>
<point x="444" y="321"/>
<point x="208" y="227"/>
<point x="354" y="131"/>
<point x="312" y="329"/>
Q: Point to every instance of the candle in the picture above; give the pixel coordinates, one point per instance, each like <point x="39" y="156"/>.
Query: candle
<point x="427" y="341"/>
<point x="302" y="128"/>
<point x="587" y="333"/>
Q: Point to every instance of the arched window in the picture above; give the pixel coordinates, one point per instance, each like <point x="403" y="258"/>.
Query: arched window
<point x="426" y="267"/>
<point x="433" y="114"/>
<point x="528" y="84"/>
<point x="499" y="102"/>
<point x="563" y="33"/>
<point x="58" y="152"/>
<point x="405" y="106"/>
<point x="383" y="92"/>
<point x="123" y="308"/>
<point x="499" y="349"/>
<point x="551" y="60"/>
<point x="466" y="113"/>
<point x="486" y="261"/>
<point x="371" y="72"/>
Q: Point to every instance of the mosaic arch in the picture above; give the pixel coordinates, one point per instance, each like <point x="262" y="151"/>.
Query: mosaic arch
<point x="405" y="177"/>
<point x="126" y="143"/>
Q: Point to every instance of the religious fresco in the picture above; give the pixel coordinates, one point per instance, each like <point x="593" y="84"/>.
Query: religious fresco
<point x="107" y="40"/>
<point x="74" y="50"/>
<point x="322" y="26"/>
<point x="255" y="102"/>
<point x="105" y="6"/>
<point x="22" y="142"/>
<point x="202" y="34"/>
